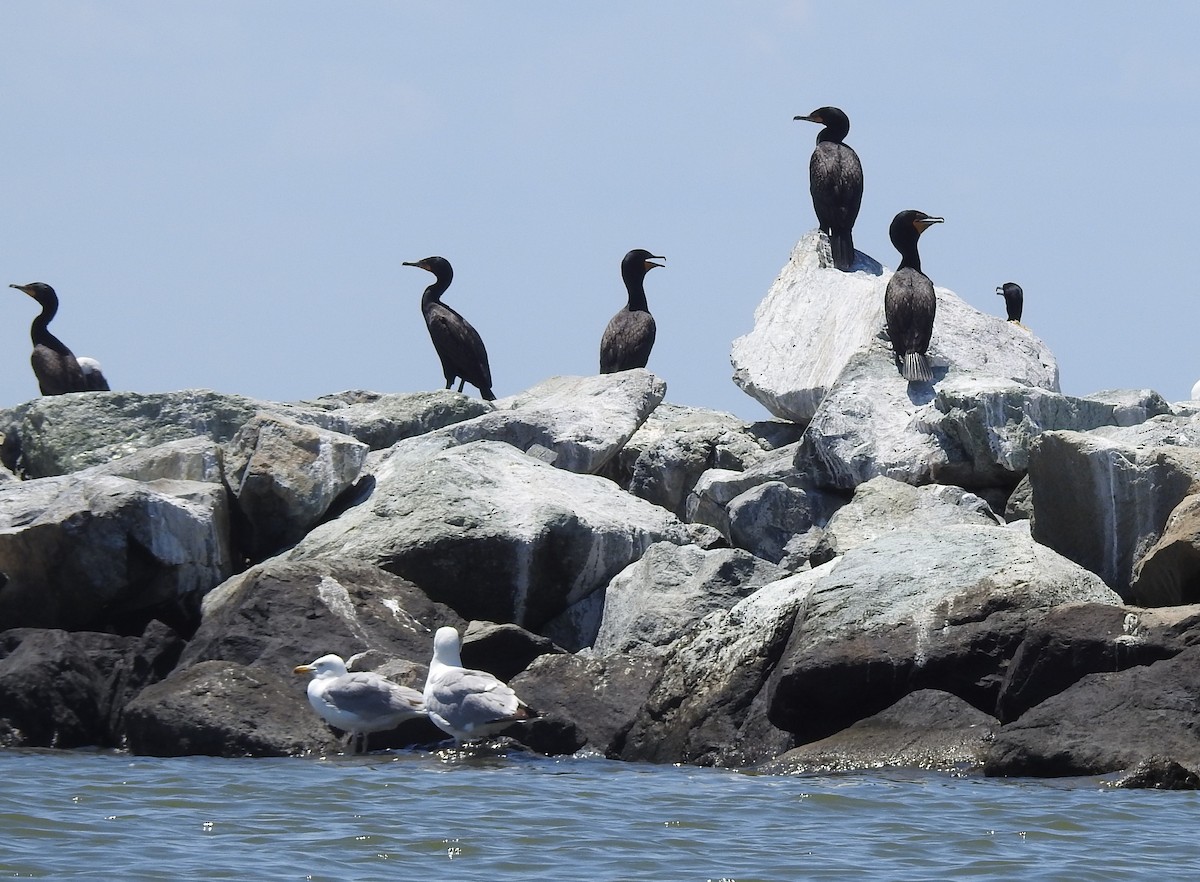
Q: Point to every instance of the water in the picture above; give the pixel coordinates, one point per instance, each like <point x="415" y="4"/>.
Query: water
<point x="419" y="816"/>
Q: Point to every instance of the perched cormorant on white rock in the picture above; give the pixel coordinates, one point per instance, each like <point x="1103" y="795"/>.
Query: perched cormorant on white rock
<point x="1014" y="300"/>
<point x="358" y="702"/>
<point x="629" y="337"/>
<point x="458" y="344"/>
<point x="55" y="366"/>
<point x="835" y="179"/>
<point x="467" y="705"/>
<point x="909" y="305"/>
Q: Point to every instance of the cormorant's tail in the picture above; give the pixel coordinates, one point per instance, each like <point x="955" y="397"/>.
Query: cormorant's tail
<point x="841" y="244"/>
<point x="915" y="368"/>
<point x="487" y="394"/>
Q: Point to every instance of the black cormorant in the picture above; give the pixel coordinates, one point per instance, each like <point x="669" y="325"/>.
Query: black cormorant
<point x="910" y="304"/>
<point x="1014" y="299"/>
<point x="458" y="345"/>
<point x="54" y="365"/>
<point x="835" y="179"/>
<point x="629" y="337"/>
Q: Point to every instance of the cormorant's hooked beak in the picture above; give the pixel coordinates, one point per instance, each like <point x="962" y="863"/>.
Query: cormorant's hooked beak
<point x="922" y="224"/>
<point x="650" y="264"/>
<point x="419" y="264"/>
<point x="812" y="117"/>
<point x="1000" y="291"/>
<point x="24" y="289"/>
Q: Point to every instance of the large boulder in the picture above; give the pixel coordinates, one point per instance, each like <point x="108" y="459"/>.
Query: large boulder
<point x="1107" y="722"/>
<point x="493" y="533"/>
<point x="281" y="613"/>
<point x="69" y="689"/>
<point x="574" y="423"/>
<point x="885" y="505"/>
<point x="1169" y="573"/>
<point x="661" y="597"/>
<point x="285" y="476"/>
<point x="59" y="434"/>
<point x="220" y="708"/>
<point x="708" y="706"/>
<point x="97" y="552"/>
<point x="970" y="428"/>
<point x="815" y="320"/>
<point x="1077" y="639"/>
<point x="926" y="730"/>
<point x="676" y="445"/>
<point x="939" y="608"/>
<point x="584" y="702"/>
<point x="1102" y="498"/>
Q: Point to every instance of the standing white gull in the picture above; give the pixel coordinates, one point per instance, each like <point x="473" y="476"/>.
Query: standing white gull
<point x="358" y="702"/>
<point x="467" y="705"/>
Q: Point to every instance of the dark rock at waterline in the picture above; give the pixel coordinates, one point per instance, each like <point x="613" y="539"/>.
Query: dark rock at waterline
<point x="69" y="689"/>
<point x="219" y="708"/>
<point x="1159" y="773"/>
<point x="583" y="701"/>
<point x="926" y="729"/>
<point x="1107" y="722"/>
<point x="282" y="613"/>
<point x="1078" y="639"/>
<point x="923" y="609"/>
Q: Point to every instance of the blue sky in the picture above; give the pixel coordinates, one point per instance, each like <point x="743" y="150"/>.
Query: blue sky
<point x="223" y="193"/>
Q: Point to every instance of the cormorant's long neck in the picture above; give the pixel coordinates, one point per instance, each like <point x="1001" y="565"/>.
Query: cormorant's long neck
<point x="434" y="292"/>
<point x="635" y="285"/>
<point x="834" y="133"/>
<point x="910" y="258"/>
<point x="39" y="331"/>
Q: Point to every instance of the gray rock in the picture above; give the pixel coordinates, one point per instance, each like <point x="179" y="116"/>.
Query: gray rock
<point x="285" y="476"/>
<point x="220" y="708"/>
<point x="925" y="730"/>
<point x="676" y="445"/>
<point x="503" y="650"/>
<point x="493" y="533"/>
<point x="940" y="608"/>
<point x="585" y="702"/>
<point x="1159" y="773"/>
<point x="574" y="423"/>
<point x="1169" y="573"/>
<point x="97" y="552"/>
<point x="662" y="596"/>
<point x="765" y="518"/>
<point x="1019" y="506"/>
<point x="883" y="505"/>
<point x="281" y="613"/>
<point x="1107" y="722"/>
<point x="1102" y="498"/>
<point x="60" y="434"/>
<point x="69" y="689"/>
<point x="1075" y="639"/>
<point x="189" y="459"/>
<point x="790" y="371"/>
<point x="709" y="706"/>
<point x="709" y="500"/>
<point x="970" y="428"/>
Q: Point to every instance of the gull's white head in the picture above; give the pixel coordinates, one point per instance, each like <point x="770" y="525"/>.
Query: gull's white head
<point x="447" y="646"/>
<point x="325" y="666"/>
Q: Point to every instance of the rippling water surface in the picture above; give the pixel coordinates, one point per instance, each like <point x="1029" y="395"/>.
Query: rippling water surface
<point x="418" y="816"/>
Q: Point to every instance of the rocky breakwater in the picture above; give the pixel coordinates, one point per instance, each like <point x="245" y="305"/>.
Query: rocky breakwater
<point x="982" y="572"/>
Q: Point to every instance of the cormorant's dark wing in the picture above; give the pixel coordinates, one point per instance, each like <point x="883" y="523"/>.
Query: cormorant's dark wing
<point x="836" y="183"/>
<point x="627" y="341"/>
<point x="57" y="372"/>
<point x="910" y="306"/>
<point x="458" y="345"/>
